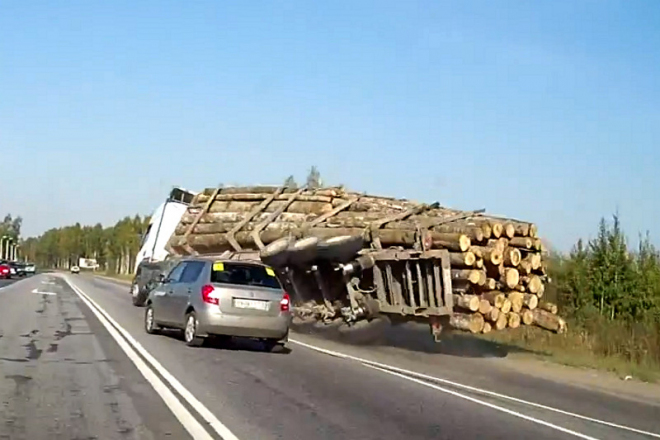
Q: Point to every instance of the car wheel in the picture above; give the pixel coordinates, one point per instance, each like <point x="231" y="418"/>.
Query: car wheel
<point x="139" y="296"/>
<point x="150" y="325"/>
<point x="190" y="331"/>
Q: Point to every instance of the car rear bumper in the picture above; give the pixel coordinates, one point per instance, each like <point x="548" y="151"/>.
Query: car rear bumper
<point x="272" y="327"/>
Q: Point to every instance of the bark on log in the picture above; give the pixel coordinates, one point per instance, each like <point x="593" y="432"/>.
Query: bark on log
<point x="510" y="278"/>
<point x="462" y="259"/>
<point x="548" y="307"/>
<point x="531" y="301"/>
<point x="522" y="242"/>
<point x="472" y="322"/>
<point x="485" y="307"/>
<point x="475" y="234"/>
<point x="511" y="256"/>
<point x="493" y="315"/>
<point x="527" y="317"/>
<point x="495" y="298"/>
<point x="235" y="217"/>
<point x="514" y="320"/>
<point x="491" y="284"/>
<point x="467" y="302"/>
<point x="490" y="255"/>
<point x="549" y="321"/>
<point x="471" y="275"/>
<point x="516" y="299"/>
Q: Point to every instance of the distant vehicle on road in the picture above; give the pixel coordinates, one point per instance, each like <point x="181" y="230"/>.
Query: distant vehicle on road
<point x="30" y="269"/>
<point x="5" y="270"/>
<point x="206" y="297"/>
<point x="19" y="268"/>
<point x="75" y="269"/>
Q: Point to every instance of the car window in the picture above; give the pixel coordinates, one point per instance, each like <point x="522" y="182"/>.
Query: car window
<point x="192" y="271"/>
<point x="244" y="275"/>
<point x="175" y="274"/>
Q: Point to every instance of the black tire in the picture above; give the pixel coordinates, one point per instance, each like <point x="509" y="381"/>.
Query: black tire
<point x="190" y="331"/>
<point x="139" y="299"/>
<point x="150" y="325"/>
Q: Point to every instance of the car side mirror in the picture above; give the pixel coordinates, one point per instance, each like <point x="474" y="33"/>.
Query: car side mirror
<point x="162" y="278"/>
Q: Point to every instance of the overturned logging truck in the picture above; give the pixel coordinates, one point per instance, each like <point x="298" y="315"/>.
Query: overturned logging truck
<point x="347" y="257"/>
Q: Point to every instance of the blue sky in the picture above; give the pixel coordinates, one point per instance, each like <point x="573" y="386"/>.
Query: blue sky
<point x="546" y="111"/>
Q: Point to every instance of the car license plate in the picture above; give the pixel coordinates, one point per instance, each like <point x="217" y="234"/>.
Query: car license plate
<point x="251" y="304"/>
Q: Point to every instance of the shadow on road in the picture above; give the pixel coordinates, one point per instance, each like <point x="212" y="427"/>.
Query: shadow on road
<point x="410" y="336"/>
<point x="228" y="343"/>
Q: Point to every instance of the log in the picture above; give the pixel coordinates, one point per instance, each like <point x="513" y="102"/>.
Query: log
<point x="548" y="307"/>
<point x="499" y="244"/>
<point x="496" y="227"/>
<point x="462" y="259"/>
<point x="510" y="277"/>
<point x="493" y="315"/>
<point x="516" y="299"/>
<point x="514" y="320"/>
<point x="509" y="231"/>
<point x="520" y="288"/>
<point x="532" y="283"/>
<point x="495" y="298"/>
<point x="472" y="322"/>
<point x="506" y="306"/>
<point x="502" y="321"/>
<point x="537" y="244"/>
<point x="474" y="233"/>
<point x="485" y="307"/>
<point x="482" y="278"/>
<point x="536" y="261"/>
<point x="490" y="255"/>
<point x="487" y="328"/>
<point x="549" y="321"/>
<point x="491" y="284"/>
<point x="525" y="267"/>
<point x="527" y="317"/>
<point x="470" y="275"/>
<point x="530" y="301"/>
<point x="511" y="257"/>
<point x="522" y="242"/>
<point x="467" y="302"/>
<point x="541" y="292"/>
<point x="479" y="263"/>
<point x="235" y="217"/>
<point x="301" y="207"/>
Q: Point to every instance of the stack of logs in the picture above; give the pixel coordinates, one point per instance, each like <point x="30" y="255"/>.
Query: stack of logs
<point x="499" y="278"/>
<point x="498" y="273"/>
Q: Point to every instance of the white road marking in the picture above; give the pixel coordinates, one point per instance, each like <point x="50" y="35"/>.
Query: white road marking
<point x="180" y="412"/>
<point x="487" y="404"/>
<point x="43" y="293"/>
<point x="198" y="406"/>
<point x="413" y="374"/>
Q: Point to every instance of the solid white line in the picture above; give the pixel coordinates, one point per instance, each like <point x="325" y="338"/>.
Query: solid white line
<point x="489" y="405"/>
<point x="471" y="388"/>
<point x="180" y="412"/>
<point x="203" y="411"/>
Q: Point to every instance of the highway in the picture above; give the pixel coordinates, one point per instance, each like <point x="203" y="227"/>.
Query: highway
<point x="77" y="364"/>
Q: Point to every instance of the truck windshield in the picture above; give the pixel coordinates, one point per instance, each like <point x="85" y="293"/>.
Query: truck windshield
<point x="244" y="275"/>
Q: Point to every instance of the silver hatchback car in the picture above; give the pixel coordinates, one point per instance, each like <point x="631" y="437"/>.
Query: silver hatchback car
<point x="206" y="297"/>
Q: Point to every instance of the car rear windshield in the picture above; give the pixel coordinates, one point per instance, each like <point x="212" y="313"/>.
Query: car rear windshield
<point x="244" y="275"/>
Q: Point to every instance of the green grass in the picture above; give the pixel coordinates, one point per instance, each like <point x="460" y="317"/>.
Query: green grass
<point x="602" y="348"/>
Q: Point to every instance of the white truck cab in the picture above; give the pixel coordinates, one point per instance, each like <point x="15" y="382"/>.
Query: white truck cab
<point x="161" y="226"/>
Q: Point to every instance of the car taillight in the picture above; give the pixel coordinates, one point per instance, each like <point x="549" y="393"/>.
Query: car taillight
<point x="285" y="303"/>
<point x="207" y="292"/>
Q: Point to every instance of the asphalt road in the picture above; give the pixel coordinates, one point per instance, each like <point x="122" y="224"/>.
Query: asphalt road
<point x="78" y="365"/>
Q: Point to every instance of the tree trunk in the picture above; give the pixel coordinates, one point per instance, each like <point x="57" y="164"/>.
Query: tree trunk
<point x="549" y="321"/>
<point x="495" y="298"/>
<point x="472" y="322"/>
<point x="512" y="257"/>
<point x="462" y="259"/>
<point x="490" y="255"/>
<point x="470" y="275"/>
<point x="467" y="302"/>
<point x="548" y="307"/>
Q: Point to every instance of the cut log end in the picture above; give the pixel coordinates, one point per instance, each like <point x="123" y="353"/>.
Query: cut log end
<point x="467" y="302"/>
<point x="527" y="317"/>
<point x="514" y="320"/>
<point x="510" y="278"/>
<point x="472" y="322"/>
<point x="486" y="328"/>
